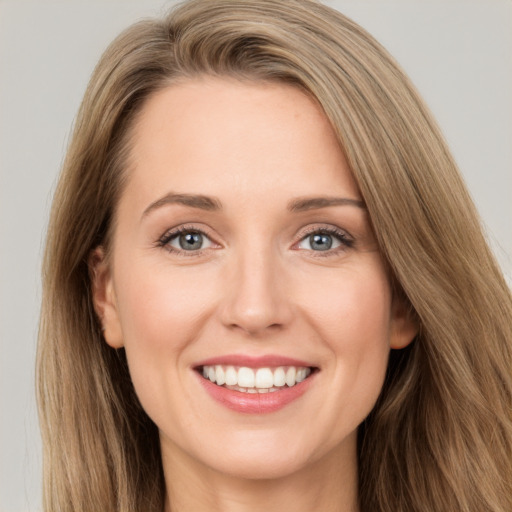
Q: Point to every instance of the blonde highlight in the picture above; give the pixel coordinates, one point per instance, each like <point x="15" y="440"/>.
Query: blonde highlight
<point x="440" y="436"/>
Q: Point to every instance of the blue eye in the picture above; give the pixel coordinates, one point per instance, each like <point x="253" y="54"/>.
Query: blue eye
<point x="186" y="240"/>
<point x="321" y="241"/>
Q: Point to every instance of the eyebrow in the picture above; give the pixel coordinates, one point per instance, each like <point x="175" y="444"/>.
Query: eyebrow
<point x="213" y="204"/>
<point x="313" y="203"/>
<point x="192" y="200"/>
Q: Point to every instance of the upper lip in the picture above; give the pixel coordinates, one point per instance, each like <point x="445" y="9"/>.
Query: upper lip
<point x="267" y="360"/>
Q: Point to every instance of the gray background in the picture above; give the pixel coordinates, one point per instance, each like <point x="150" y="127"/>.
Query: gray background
<point x="459" y="54"/>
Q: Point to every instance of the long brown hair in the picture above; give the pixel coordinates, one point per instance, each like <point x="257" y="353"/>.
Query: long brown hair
<point x="440" y="436"/>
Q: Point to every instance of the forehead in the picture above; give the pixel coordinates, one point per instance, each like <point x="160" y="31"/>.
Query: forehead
<point x="221" y="136"/>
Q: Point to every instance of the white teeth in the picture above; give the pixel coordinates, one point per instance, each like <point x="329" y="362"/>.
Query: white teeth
<point x="290" y="376"/>
<point x="279" y="377"/>
<point x="221" y="376"/>
<point x="231" y="376"/>
<point x="246" y="377"/>
<point x="264" y="378"/>
<point x="301" y="375"/>
<point x="261" y="380"/>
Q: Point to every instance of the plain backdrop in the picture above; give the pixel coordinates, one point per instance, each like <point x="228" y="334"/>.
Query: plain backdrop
<point x="458" y="53"/>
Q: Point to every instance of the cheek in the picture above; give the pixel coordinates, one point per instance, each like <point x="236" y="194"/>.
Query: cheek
<point x="351" y="308"/>
<point x="159" y="309"/>
<point x="161" y="314"/>
<point x="350" y="315"/>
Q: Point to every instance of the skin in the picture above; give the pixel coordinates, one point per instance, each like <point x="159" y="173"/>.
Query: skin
<point x="256" y="287"/>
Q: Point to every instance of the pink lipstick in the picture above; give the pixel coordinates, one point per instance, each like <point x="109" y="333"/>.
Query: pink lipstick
<point x="255" y="385"/>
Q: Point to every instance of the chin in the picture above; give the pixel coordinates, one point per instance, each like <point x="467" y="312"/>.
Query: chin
<point x="260" y="466"/>
<point x="260" y="457"/>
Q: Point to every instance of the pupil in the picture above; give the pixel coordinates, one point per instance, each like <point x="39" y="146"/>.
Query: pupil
<point x="191" y="241"/>
<point x="320" y="242"/>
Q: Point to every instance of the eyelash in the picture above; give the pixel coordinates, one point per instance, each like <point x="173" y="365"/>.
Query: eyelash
<point x="166" y="238"/>
<point x="346" y="242"/>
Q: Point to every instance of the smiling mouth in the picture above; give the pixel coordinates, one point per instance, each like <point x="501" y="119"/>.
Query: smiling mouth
<point x="255" y="380"/>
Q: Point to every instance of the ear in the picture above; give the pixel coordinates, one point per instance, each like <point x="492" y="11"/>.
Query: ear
<point x="104" y="298"/>
<point x="404" y="324"/>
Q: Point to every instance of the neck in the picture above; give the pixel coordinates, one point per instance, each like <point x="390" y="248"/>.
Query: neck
<point x="328" y="484"/>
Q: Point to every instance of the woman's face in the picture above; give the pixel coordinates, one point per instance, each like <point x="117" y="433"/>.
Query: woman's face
<point x="243" y="251"/>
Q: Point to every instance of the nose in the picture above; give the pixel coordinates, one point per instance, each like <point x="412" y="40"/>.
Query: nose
<point x="256" y="298"/>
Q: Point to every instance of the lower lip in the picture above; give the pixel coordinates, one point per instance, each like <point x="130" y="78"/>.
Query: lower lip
<point x="255" y="403"/>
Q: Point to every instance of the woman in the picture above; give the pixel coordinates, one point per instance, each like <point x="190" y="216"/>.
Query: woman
<point x="254" y="209"/>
